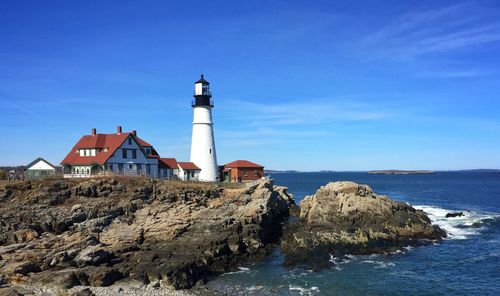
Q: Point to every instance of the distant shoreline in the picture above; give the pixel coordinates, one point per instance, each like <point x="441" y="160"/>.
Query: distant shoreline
<point x="400" y="172"/>
<point x="390" y="172"/>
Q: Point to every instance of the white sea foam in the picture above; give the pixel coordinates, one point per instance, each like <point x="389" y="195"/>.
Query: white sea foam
<point x="470" y="223"/>
<point x="342" y="260"/>
<point x="379" y="264"/>
<point x="304" y="291"/>
<point x="240" y="270"/>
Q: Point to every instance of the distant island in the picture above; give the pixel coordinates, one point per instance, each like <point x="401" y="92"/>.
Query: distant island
<point x="399" y="172"/>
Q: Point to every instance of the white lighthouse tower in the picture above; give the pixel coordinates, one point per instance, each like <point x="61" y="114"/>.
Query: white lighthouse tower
<point x="203" y="142"/>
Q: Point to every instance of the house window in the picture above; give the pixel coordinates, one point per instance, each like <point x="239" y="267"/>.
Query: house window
<point x="124" y="153"/>
<point x="84" y="152"/>
<point x="130" y="166"/>
<point x="130" y="141"/>
<point x="148" y="169"/>
<point x="120" y="167"/>
<point x="88" y="171"/>
<point x="134" y="154"/>
<point x="110" y="167"/>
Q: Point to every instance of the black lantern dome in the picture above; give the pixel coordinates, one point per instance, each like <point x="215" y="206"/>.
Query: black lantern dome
<point x="202" y="95"/>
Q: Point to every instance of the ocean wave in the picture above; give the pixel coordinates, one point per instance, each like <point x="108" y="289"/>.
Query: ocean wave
<point x="240" y="270"/>
<point x="469" y="224"/>
<point x="304" y="291"/>
<point x="379" y="264"/>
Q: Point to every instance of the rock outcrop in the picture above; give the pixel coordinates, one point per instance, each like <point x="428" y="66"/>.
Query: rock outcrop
<point x="348" y="218"/>
<point x="60" y="233"/>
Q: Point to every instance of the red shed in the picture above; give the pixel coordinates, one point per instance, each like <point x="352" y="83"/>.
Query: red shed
<point x="242" y="170"/>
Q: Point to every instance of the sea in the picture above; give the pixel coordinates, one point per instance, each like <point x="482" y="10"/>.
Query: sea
<point x="467" y="262"/>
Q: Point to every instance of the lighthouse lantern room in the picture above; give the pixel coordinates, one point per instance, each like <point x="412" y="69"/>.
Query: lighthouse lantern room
<point x="202" y="142"/>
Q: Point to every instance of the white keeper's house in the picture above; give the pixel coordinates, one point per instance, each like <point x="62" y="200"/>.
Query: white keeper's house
<point x="122" y="153"/>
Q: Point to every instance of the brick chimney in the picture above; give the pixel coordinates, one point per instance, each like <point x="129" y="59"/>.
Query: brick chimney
<point x="119" y="129"/>
<point x="94" y="132"/>
<point x="134" y="132"/>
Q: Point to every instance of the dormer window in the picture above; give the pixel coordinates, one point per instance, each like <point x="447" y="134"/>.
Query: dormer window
<point x="130" y="141"/>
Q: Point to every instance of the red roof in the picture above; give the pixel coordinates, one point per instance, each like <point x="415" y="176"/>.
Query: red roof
<point x="108" y="143"/>
<point x="142" y="142"/>
<point x="168" y="162"/>
<point x="243" y="164"/>
<point x="188" y="166"/>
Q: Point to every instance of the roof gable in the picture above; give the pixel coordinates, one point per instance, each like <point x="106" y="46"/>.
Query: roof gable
<point x="243" y="164"/>
<point x="36" y="161"/>
<point x="108" y="143"/>
<point x="188" y="166"/>
<point x="168" y="162"/>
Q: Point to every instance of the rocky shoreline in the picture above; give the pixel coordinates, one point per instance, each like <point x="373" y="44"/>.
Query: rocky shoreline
<point x="57" y="234"/>
<point x="131" y="236"/>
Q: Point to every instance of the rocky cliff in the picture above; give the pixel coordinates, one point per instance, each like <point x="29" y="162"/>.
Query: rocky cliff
<point x="348" y="218"/>
<point x="62" y="233"/>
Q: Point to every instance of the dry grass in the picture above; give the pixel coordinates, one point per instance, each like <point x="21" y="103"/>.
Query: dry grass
<point x="132" y="181"/>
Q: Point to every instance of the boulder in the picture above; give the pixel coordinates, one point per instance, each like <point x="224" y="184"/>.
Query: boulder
<point x="452" y="215"/>
<point x="349" y="218"/>
<point x="9" y="292"/>
<point x="92" y="255"/>
<point x="103" y="277"/>
<point x="83" y="292"/>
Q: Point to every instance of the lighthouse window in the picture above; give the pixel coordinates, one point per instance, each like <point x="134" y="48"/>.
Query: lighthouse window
<point x="210" y="151"/>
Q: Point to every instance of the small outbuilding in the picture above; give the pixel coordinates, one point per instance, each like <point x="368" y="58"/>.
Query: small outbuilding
<point x="168" y="168"/>
<point x="242" y="171"/>
<point x="188" y="171"/>
<point x="39" y="168"/>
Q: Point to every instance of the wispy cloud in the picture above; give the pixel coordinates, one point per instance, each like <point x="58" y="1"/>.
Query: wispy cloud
<point x="294" y="121"/>
<point x="429" y="37"/>
<point x="435" y="31"/>
<point x="306" y="112"/>
<point x="454" y="73"/>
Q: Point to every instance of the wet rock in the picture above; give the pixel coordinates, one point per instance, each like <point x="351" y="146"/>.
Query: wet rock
<point x="452" y="215"/>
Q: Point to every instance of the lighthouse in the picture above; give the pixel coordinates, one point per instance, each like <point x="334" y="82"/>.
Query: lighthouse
<point x="202" y="141"/>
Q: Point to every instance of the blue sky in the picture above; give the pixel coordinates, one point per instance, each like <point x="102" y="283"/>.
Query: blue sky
<point x="307" y="85"/>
